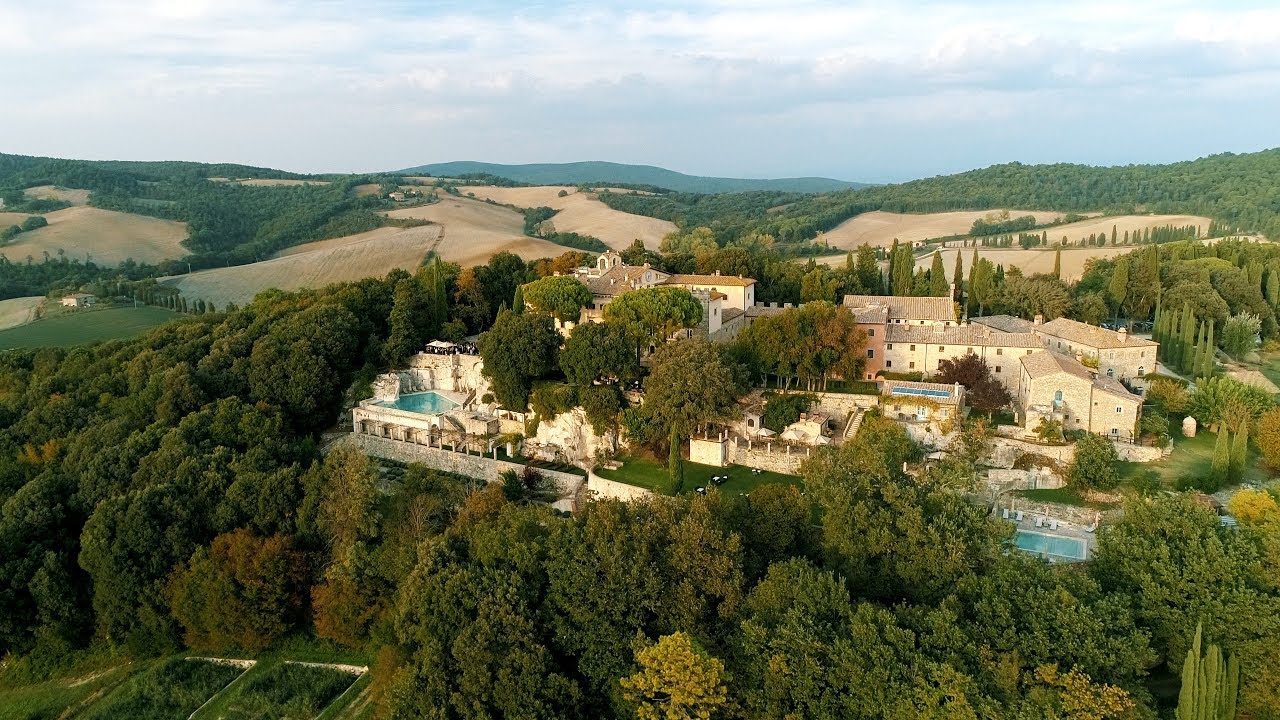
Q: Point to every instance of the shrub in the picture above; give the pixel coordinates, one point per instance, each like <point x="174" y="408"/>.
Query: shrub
<point x="1095" y="464"/>
<point x="782" y="410"/>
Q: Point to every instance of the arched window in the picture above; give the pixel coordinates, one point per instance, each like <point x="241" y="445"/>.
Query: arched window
<point x="1111" y="372"/>
<point x="751" y="422"/>
<point x="1057" y="396"/>
<point x="1141" y="371"/>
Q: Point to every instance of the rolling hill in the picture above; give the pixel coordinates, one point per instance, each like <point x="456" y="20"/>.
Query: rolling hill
<point x="608" y="172"/>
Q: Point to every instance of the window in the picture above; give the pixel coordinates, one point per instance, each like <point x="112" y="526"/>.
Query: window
<point x="939" y="364"/>
<point x="997" y="368"/>
<point x="999" y="351"/>
<point x="871" y="332"/>
<point x="888" y="363"/>
<point x="969" y="350"/>
<point x="913" y="348"/>
<point x="869" y="376"/>
<point x="912" y="366"/>
<point x="751" y="422"/>
<point x="1057" y="396"/>
<point x="1119" y="409"/>
<point x="1111" y="372"/>
<point x="888" y="346"/>
<point x="1115" y="432"/>
<point x="942" y="348"/>
<point x="1059" y="344"/>
<point x="871" y="354"/>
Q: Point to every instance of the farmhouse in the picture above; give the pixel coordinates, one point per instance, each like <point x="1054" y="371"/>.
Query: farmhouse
<point x="1054" y="386"/>
<point x="915" y="348"/>
<point x="79" y="300"/>
<point x="725" y="299"/>
<point x="904" y="310"/>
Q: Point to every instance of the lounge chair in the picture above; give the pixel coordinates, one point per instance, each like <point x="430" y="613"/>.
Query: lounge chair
<point x="1018" y="516"/>
<point x="1053" y="524"/>
<point x="1005" y="514"/>
<point x="1039" y="521"/>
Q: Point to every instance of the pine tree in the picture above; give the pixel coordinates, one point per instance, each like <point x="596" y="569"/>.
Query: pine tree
<point x="1239" y="454"/>
<point x="1057" y="263"/>
<point x="937" y="276"/>
<point x="675" y="464"/>
<point x="1209" y="685"/>
<point x="1220" y="470"/>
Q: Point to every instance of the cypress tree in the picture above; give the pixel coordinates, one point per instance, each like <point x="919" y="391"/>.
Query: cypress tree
<point x="517" y="303"/>
<point x="973" y="268"/>
<point x="675" y="463"/>
<point x="1157" y="329"/>
<point x="1057" y="263"/>
<point x="893" y="261"/>
<point x="937" y="276"/>
<point x="904" y="271"/>
<point x="957" y="277"/>
<point x="1209" y="685"/>
<point x="1208" y="361"/>
<point x="1113" y="234"/>
<point x="1220" y="470"/>
<point x="1239" y="453"/>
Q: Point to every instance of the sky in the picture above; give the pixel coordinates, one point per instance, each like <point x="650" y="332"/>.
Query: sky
<point x="876" y="91"/>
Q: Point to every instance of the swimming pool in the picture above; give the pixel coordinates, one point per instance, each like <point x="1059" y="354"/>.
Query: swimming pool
<point x="424" y="403"/>
<point x="1056" y="546"/>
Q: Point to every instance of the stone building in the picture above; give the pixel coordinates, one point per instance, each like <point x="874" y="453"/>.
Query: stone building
<point x="921" y="401"/>
<point x="915" y="348"/>
<point x="908" y="310"/>
<point x="1119" y="355"/>
<point x="725" y="299"/>
<point x="1059" y="387"/>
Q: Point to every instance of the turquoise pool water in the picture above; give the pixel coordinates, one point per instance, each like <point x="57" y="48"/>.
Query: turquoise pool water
<point x="1052" y="545"/>
<point x="425" y="403"/>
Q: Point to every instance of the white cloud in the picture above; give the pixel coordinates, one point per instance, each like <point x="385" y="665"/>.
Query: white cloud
<point x="709" y="87"/>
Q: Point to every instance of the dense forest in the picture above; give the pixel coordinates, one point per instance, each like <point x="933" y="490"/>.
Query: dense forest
<point x="1241" y="192"/>
<point x="168" y="492"/>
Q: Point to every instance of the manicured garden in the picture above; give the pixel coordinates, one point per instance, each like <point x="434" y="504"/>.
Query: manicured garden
<point x="647" y="473"/>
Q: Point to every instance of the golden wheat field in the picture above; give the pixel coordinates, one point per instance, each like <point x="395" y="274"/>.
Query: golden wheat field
<point x="19" y="311"/>
<point x="1031" y="261"/>
<point x="369" y="254"/>
<point x="474" y="231"/>
<point x="1076" y="231"/>
<point x="104" y="236"/>
<point x="582" y="213"/>
<point x="51" y="192"/>
<point x="11" y="218"/>
<point x="879" y="229"/>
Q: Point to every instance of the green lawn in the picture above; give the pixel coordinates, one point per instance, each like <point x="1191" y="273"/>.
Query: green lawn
<point x="84" y="327"/>
<point x="173" y="689"/>
<point x="1192" y="457"/>
<point x="275" y="688"/>
<point x="647" y="473"/>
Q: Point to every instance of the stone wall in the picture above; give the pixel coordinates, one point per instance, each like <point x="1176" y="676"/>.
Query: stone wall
<point x="1006" y="451"/>
<point x="1142" y="453"/>
<point x="1035" y="479"/>
<point x="569" y="438"/>
<point x="838" y="405"/>
<point x="599" y="488"/>
<point x="481" y="467"/>
<point x="708" y="452"/>
<point x="774" y="457"/>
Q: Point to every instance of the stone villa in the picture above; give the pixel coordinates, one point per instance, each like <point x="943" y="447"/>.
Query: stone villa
<point x="1058" y="387"/>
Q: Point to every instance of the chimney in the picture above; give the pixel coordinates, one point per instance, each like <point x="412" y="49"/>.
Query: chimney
<point x="716" y="273"/>
<point x="1124" y="333"/>
<point x="1039" y="320"/>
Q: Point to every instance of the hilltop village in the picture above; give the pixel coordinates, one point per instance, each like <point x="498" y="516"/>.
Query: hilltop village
<point x="1052" y="381"/>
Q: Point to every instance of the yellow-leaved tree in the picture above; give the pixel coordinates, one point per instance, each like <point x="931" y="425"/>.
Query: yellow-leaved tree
<point x="677" y="680"/>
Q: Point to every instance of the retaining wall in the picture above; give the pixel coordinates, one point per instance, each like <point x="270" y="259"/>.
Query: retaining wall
<point x="761" y="457"/>
<point x="481" y="467"/>
<point x="603" y="489"/>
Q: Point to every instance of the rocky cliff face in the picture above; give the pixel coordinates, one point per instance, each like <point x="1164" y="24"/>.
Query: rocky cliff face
<point x="568" y="438"/>
<point x="456" y="373"/>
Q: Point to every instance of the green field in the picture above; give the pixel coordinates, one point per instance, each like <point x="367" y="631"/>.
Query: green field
<point x="64" y="697"/>
<point x="284" y="691"/>
<point x="1192" y="458"/>
<point x="174" y="689"/>
<point x="647" y="473"/>
<point x="84" y="327"/>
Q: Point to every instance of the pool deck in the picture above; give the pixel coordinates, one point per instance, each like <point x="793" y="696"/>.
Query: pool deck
<point x="1064" y="530"/>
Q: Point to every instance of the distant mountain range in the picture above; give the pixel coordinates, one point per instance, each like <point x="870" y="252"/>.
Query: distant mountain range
<point x="608" y="172"/>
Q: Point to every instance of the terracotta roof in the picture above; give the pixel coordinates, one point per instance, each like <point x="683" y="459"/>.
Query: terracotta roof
<point x="907" y="308"/>
<point x="1046" y="363"/>
<point x="954" y="393"/>
<point x="1114" y="387"/>
<point x="877" y="315"/>
<point x="618" y="280"/>
<point x="1004" y="323"/>
<point x="1091" y="335"/>
<point x="713" y="280"/>
<point x="969" y="335"/>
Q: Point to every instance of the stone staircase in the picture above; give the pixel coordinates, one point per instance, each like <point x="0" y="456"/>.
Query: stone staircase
<point x="855" y="422"/>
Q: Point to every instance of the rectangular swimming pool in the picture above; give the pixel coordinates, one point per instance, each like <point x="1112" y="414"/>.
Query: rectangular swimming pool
<point x="1055" y="546"/>
<point x="424" y="403"/>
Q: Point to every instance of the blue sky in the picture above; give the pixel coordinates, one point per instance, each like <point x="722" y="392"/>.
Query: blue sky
<point x="877" y="91"/>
